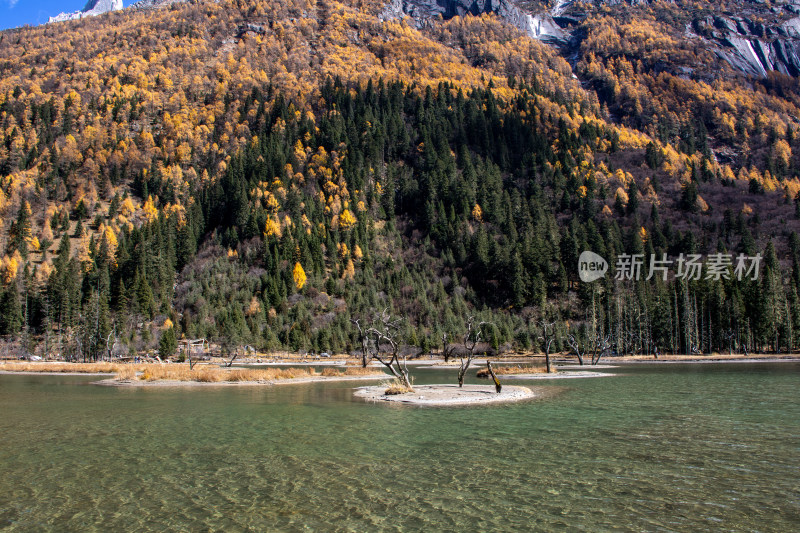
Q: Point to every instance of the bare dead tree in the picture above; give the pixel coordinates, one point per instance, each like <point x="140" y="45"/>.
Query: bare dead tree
<point x="629" y="341"/>
<point x="363" y="338"/>
<point x="79" y="349"/>
<point x="601" y="347"/>
<point x="447" y="349"/>
<point x="729" y="335"/>
<point x="189" y="355"/>
<point x="247" y="349"/>
<point x="190" y="345"/>
<point x="47" y="324"/>
<point x="233" y="358"/>
<point x="111" y="341"/>
<point x="576" y="347"/>
<point x="471" y="338"/>
<point x="384" y="331"/>
<point x="748" y="337"/>
<point x="547" y="338"/>
<point x="789" y="329"/>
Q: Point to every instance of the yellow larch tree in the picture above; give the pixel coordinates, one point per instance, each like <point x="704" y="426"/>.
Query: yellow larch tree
<point x="346" y="220"/>
<point x="149" y="209"/>
<point x="299" y="275"/>
<point x="349" y="270"/>
<point x="477" y="213"/>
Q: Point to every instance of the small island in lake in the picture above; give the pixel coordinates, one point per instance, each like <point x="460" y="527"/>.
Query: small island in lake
<point x="442" y="395"/>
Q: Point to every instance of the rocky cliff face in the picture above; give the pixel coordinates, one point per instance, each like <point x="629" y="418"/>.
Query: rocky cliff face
<point x="426" y="12"/>
<point x="760" y="37"/>
<point x="754" y="47"/>
<point x="92" y="8"/>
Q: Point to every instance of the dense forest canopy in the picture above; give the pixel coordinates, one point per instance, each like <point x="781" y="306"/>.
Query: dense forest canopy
<point x="261" y="173"/>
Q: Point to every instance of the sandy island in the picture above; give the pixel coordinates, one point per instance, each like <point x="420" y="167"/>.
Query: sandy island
<point x="443" y="395"/>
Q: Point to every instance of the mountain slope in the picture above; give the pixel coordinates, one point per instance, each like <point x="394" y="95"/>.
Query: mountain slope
<point x="752" y="37"/>
<point x="261" y="173"/>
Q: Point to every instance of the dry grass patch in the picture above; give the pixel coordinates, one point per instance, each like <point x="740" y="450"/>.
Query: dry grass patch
<point x="213" y="374"/>
<point x="201" y="374"/>
<point x="269" y="374"/>
<point x="127" y="372"/>
<point x="158" y="372"/>
<point x="182" y="372"/>
<point x="55" y="366"/>
<point x="512" y="370"/>
<point x="395" y="387"/>
<point x="350" y="371"/>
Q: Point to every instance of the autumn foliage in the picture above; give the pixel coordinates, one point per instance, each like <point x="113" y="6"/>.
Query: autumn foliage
<point x="259" y="172"/>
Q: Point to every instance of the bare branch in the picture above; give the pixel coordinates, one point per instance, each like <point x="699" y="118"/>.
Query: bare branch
<point x="573" y="343"/>
<point x="384" y="331"/>
<point x="547" y="337"/>
<point x="471" y="340"/>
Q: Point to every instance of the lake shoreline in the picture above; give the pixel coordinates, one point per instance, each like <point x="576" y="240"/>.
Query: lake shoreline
<point x="709" y="360"/>
<point x="557" y="359"/>
<point x="438" y="364"/>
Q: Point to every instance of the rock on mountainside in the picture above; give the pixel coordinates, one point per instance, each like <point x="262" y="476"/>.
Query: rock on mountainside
<point x="92" y="8"/>
<point x="754" y="47"/>
<point x="756" y="38"/>
<point x="146" y="4"/>
<point x="426" y="12"/>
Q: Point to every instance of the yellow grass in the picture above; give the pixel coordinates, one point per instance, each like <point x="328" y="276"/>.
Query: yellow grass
<point x="512" y="370"/>
<point x="350" y="371"/>
<point x="270" y="374"/>
<point x="396" y="387"/>
<point x="47" y="366"/>
<point x="213" y="374"/>
<point x="182" y="372"/>
<point x="126" y="372"/>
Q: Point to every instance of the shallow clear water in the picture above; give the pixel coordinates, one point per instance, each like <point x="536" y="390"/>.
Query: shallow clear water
<point x="666" y="448"/>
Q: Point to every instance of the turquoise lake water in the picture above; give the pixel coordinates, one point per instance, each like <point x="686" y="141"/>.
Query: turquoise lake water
<point x="655" y="448"/>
